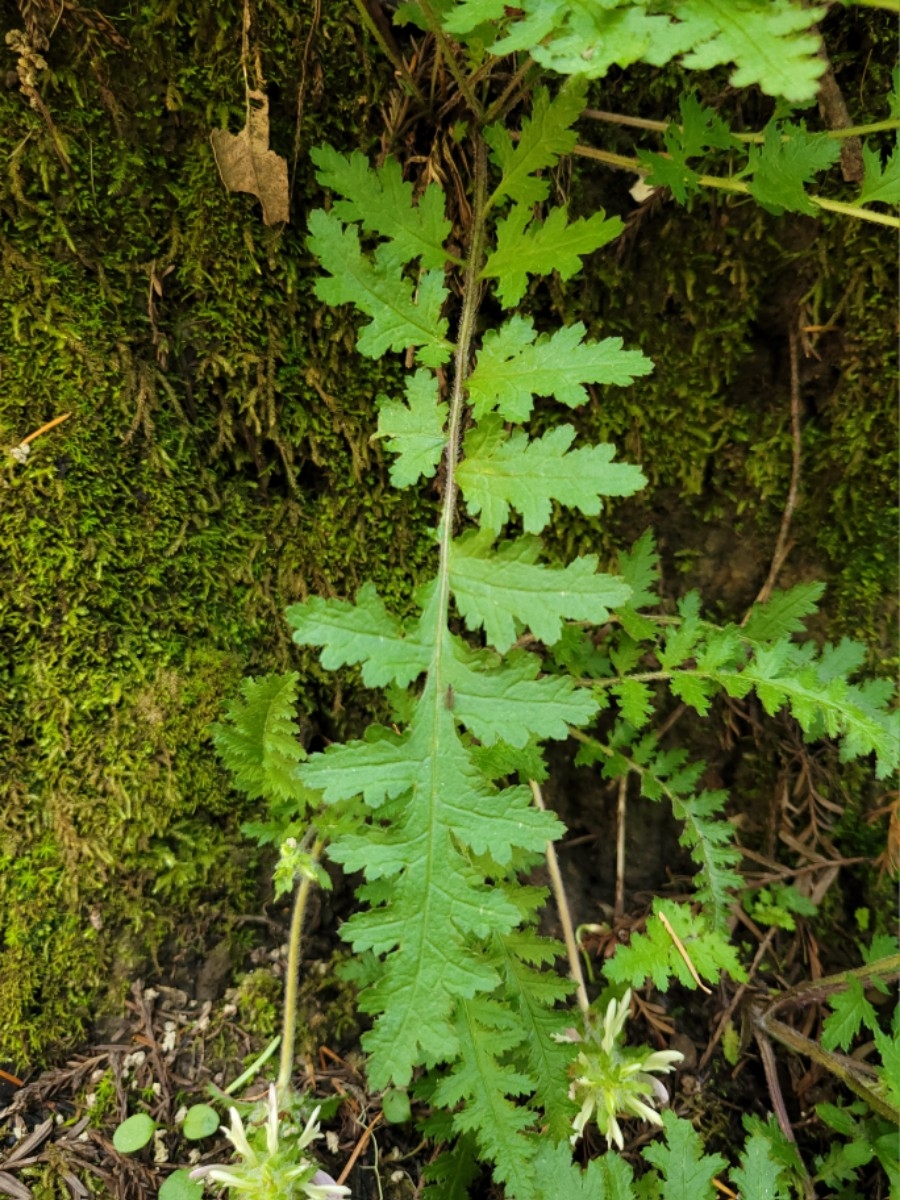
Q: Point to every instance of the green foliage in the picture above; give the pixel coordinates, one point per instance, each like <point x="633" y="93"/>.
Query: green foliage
<point x="784" y="163"/>
<point x="769" y="43"/>
<point x="417" y="809"/>
<point x="686" y="1169"/>
<point x="134" y="1133"/>
<point x="260" y="746"/>
<point x="654" y="955"/>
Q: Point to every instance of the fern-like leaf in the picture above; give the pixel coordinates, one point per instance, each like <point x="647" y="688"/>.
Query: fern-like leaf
<point x="260" y="744"/>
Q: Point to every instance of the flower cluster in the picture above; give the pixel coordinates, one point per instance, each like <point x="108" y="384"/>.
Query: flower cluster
<point x="611" y="1080"/>
<point x="273" y="1160"/>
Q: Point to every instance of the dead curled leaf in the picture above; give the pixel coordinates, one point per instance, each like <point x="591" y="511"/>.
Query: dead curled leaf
<point x="246" y="163"/>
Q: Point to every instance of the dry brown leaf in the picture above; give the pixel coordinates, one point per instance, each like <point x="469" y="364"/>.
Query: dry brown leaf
<point x="246" y="163"/>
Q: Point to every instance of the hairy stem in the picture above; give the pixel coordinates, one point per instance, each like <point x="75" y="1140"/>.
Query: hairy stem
<point x="292" y="978"/>
<point x="847" y="131"/>
<point x="470" y="303"/>
<point x="738" y="186"/>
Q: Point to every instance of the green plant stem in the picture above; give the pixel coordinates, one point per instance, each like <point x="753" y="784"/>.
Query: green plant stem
<point x="462" y="82"/>
<point x="623" y="162"/>
<point x="253" y="1069"/>
<point x="611" y="118"/>
<point x="470" y="302"/>
<point x="818" y="989"/>
<point x="292" y="979"/>
<point x="565" y="914"/>
<point x="842" y="1067"/>
<point x="499" y="105"/>
<point x="390" y="52"/>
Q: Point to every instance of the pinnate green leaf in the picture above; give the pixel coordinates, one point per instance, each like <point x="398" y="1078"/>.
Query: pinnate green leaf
<point x="881" y="184"/>
<point x="701" y="129"/>
<point x="527" y="247"/>
<point x="556" y="1176"/>
<point x="783" y="613"/>
<point x="515" y="364"/>
<point x="589" y="39"/>
<point x="653" y="955"/>
<point x="789" y="158"/>
<point x="511" y="704"/>
<point x="850" y="1011"/>
<point x="486" y="1032"/>
<point x="545" y="136"/>
<point x="380" y="200"/>
<point x="364" y="632"/>
<point x="432" y="901"/>
<point x="687" y="1172"/>
<point x="495" y="590"/>
<point x="771" y="42"/>
<point x="260" y="742"/>
<point x="502" y="471"/>
<point x="414" y="429"/>
<point x="379" y="289"/>
<point x="635" y="701"/>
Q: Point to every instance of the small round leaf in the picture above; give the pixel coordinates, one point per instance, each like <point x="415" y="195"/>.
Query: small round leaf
<point x="180" y="1186"/>
<point x="132" y="1135"/>
<point x="395" y="1106"/>
<point x="201" y="1121"/>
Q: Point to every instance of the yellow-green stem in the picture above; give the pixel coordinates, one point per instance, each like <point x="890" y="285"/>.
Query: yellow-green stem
<point x="292" y="978"/>
<point x="623" y="162"/>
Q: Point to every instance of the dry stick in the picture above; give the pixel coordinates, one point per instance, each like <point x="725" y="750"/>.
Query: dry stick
<point x="735" y="1000"/>
<point x="45" y="428"/>
<point x="782" y="547"/>
<point x="358" y="1149"/>
<point x="680" y="947"/>
<point x="767" y="1054"/>
<point x="301" y="88"/>
<point x="565" y="915"/>
<point x="619" y="903"/>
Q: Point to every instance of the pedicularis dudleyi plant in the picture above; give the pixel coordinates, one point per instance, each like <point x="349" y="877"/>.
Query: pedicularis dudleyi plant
<point x="508" y="647"/>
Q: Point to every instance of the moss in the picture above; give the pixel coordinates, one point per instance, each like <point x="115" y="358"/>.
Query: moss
<point x="217" y="443"/>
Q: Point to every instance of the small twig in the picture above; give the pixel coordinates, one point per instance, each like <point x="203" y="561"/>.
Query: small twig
<point x="565" y="914"/>
<point x="736" y="999"/>
<point x="301" y="86"/>
<point x="679" y="946"/>
<point x="45" y="428"/>
<point x="767" y="1054"/>
<point x="619" y="903"/>
<point x="358" y="1149"/>
<point x="782" y="546"/>
<point x="844" y="1068"/>
<point x="499" y="105"/>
